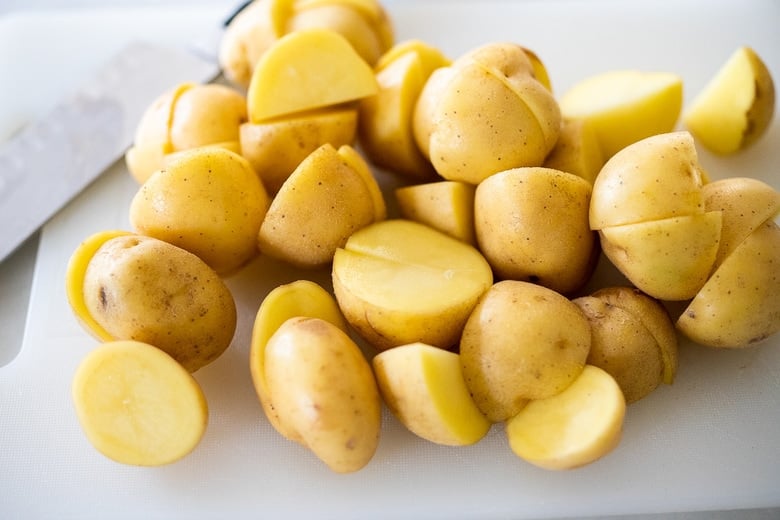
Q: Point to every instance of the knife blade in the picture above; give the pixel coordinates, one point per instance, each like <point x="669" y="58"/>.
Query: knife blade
<point x="54" y="158"/>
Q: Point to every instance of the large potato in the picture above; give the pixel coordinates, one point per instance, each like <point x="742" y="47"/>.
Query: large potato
<point x="486" y="113"/>
<point x="188" y="116"/>
<point x="130" y="287"/>
<point x="209" y="201"/>
<point x="330" y="196"/>
<point x="521" y="342"/>
<point x="324" y="391"/>
<point x="532" y="224"/>
<point x="400" y="282"/>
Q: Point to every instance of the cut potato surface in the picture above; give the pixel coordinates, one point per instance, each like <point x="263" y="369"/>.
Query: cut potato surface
<point x="137" y="405"/>
<point x="424" y="388"/>
<point x="305" y="70"/>
<point x="573" y="428"/>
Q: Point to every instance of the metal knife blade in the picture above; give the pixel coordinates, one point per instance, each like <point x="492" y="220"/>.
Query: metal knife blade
<point x="54" y="158"/>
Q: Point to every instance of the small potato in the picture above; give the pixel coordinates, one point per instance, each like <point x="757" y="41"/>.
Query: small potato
<point x="188" y="116"/>
<point x="209" y="202"/>
<point x="486" y="113"/>
<point x="400" y="282"/>
<point x="132" y="287"/>
<point x="137" y="405"/>
<point x="577" y="150"/>
<point x="275" y="149"/>
<point x="302" y="298"/>
<point x="736" y="107"/>
<point x="447" y="206"/>
<point x="330" y="196"/>
<point x="323" y="389"/>
<point x="576" y="427"/>
<point x="521" y="342"/>
<point x="532" y="224"/>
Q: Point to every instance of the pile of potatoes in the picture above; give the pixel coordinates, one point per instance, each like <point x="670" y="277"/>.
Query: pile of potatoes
<point x="468" y="306"/>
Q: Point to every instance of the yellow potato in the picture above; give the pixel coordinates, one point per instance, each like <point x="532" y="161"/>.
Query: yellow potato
<point x="736" y="107"/>
<point x="189" y="116"/>
<point x="249" y="35"/>
<point x="386" y="118"/>
<point x="669" y="259"/>
<point x="399" y="282"/>
<point x="745" y="204"/>
<point x="423" y="387"/>
<point x="739" y="304"/>
<point x="137" y="405"/>
<point x="577" y="150"/>
<point x="532" y="224"/>
<point x="576" y="427"/>
<point x="521" y="342"/>
<point x="623" y="347"/>
<point x="484" y="114"/>
<point x="656" y="178"/>
<point x="653" y="316"/>
<point x="209" y="202"/>
<point x="306" y="70"/>
<point x="625" y="106"/>
<point x="325" y="200"/>
<point x="125" y="286"/>
<point x="276" y="148"/>
<point x="447" y="206"/>
<point x="301" y="298"/>
<point x="323" y="389"/>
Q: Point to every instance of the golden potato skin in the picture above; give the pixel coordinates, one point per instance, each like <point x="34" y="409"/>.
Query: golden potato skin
<point x="147" y="290"/>
<point x="323" y="388"/>
<point x="521" y="342"/>
<point x="532" y="224"/>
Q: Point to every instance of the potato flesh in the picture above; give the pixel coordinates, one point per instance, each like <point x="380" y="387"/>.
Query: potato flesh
<point x="137" y="405"/>
<point x="573" y="428"/>
<point x="447" y="206"/>
<point x="424" y="388"/>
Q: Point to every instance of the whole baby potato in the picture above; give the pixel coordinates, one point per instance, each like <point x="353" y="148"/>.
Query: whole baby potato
<point x="130" y="287"/>
<point x="209" y="201"/>
<point x="521" y="342"/>
<point x="324" y="392"/>
<point x="532" y="224"/>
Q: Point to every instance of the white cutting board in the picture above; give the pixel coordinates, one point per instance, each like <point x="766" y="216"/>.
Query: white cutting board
<point x="708" y="442"/>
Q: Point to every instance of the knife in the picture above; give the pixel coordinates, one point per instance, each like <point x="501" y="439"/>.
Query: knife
<point x="54" y="158"/>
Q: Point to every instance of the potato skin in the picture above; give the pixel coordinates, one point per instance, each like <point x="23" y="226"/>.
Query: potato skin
<point x="140" y="288"/>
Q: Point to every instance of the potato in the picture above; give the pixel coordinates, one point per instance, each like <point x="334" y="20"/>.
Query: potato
<point x="484" y="114"/>
<point x="447" y="206"/>
<point x="123" y="286"/>
<point x="323" y="389"/>
<point x="306" y="70"/>
<point x="745" y="204"/>
<point x="573" y="428"/>
<point x="737" y="105"/>
<point x="521" y="342"/>
<point x="137" y="405"/>
<point x="327" y="198"/>
<point x="738" y="305"/>
<point x="623" y="347"/>
<point x="252" y="32"/>
<point x="301" y="298"/>
<point x="648" y="206"/>
<point x="186" y="117"/>
<point x="386" y="118"/>
<point x="276" y="148"/>
<point x="423" y="387"/>
<point x="532" y="224"/>
<point x="209" y="202"/>
<point x="625" y="106"/>
<point x="577" y="150"/>
<point x="400" y="282"/>
<point x="653" y="316"/>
